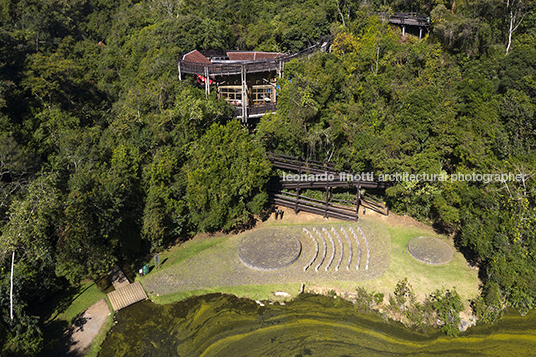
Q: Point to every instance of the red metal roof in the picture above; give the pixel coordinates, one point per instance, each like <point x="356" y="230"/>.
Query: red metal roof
<point x="195" y="56"/>
<point x="251" y="56"/>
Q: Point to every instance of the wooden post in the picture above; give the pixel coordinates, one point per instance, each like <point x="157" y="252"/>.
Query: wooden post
<point x="420" y="33"/>
<point x="280" y="68"/>
<point x="180" y="74"/>
<point x="327" y="201"/>
<point x="298" y="190"/>
<point x="207" y="82"/>
<point x="403" y="30"/>
<point x="327" y="191"/>
<point x="244" y="95"/>
<point x="358" y="203"/>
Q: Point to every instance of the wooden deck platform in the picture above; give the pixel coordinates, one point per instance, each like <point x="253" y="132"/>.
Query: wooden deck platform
<point x="265" y="65"/>
<point x="127" y="296"/>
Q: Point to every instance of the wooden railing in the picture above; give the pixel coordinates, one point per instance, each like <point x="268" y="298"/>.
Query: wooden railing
<point x="270" y="64"/>
<point x="406" y="18"/>
<point x="255" y="110"/>
<point x="330" y="207"/>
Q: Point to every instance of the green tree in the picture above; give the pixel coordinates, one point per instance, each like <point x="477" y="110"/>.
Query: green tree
<point x="497" y="226"/>
<point x="165" y="216"/>
<point x="33" y="221"/>
<point x="448" y="305"/>
<point x="23" y="335"/>
<point x="15" y="169"/>
<point x="226" y="174"/>
<point x="88" y="242"/>
<point x="404" y="295"/>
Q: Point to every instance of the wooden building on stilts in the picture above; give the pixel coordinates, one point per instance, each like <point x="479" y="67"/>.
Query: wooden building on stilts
<point x="245" y="79"/>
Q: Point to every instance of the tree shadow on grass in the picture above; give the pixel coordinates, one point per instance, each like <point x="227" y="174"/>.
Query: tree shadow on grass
<point x="468" y="253"/>
<point x="64" y="300"/>
<point x="52" y="335"/>
<point x="66" y="342"/>
<point x="54" y="329"/>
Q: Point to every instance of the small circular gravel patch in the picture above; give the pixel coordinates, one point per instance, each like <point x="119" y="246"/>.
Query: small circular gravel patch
<point x="269" y="250"/>
<point x="430" y="250"/>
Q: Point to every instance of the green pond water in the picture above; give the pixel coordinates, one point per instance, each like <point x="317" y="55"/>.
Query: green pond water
<point x="311" y="325"/>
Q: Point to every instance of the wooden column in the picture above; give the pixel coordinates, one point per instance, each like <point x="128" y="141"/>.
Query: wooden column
<point x="420" y="33"/>
<point x="180" y="74"/>
<point x="244" y="95"/>
<point x="297" y="190"/>
<point x="327" y="201"/>
<point x="403" y="30"/>
<point x="327" y="191"/>
<point x="207" y="82"/>
<point x="280" y="68"/>
<point x="358" y="201"/>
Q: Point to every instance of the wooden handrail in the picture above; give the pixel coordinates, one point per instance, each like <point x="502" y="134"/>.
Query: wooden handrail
<point x="269" y="64"/>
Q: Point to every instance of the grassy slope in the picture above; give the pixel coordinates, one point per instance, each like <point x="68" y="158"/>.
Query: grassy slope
<point x="68" y="306"/>
<point x="185" y="250"/>
<point x="424" y="278"/>
<point x="89" y="294"/>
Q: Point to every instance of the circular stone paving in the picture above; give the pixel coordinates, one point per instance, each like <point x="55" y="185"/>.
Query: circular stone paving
<point x="269" y="250"/>
<point x="430" y="250"/>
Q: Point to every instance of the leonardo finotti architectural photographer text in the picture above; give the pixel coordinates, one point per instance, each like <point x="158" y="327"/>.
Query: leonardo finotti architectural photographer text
<point x="405" y="177"/>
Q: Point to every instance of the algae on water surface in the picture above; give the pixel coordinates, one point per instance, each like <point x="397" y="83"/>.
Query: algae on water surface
<point x="224" y="325"/>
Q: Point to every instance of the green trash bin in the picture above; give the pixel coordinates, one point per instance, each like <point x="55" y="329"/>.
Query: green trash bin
<point x="146" y="269"/>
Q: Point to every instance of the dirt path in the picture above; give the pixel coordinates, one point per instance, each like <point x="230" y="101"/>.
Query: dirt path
<point x="78" y="338"/>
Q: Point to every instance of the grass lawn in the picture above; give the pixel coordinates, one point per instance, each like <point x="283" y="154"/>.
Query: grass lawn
<point x="424" y="278"/>
<point x="184" y="266"/>
<point x="88" y="294"/>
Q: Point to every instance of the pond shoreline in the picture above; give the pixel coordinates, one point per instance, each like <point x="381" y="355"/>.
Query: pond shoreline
<point x="224" y="324"/>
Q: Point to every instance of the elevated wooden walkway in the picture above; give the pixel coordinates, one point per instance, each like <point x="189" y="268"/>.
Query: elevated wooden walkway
<point x="127" y="295"/>
<point x="227" y="69"/>
<point x="330" y="207"/>
<point x="407" y="18"/>
<point x="255" y="111"/>
<point x="411" y="19"/>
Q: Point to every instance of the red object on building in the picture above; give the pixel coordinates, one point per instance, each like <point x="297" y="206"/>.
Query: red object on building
<point x="201" y="80"/>
<point x="252" y="55"/>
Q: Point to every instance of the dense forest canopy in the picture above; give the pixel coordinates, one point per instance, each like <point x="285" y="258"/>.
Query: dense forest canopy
<point x="105" y="155"/>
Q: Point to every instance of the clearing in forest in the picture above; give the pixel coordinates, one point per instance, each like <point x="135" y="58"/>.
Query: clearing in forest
<point x="332" y="254"/>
